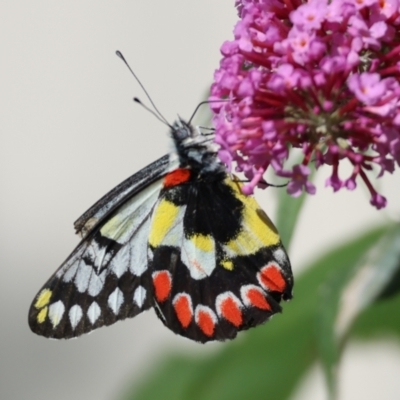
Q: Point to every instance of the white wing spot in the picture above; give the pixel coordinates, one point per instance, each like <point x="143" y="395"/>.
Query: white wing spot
<point x="75" y="315"/>
<point x="56" y="311"/>
<point x="139" y="296"/>
<point x="83" y="276"/>
<point x="280" y="256"/>
<point x="97" y="254"/>
<point x="150" y="255"/>
<point x="115" y="300"/>
<point x="119" y="264"/>
<point x="93" y="312"/>
<point x="138" y="257"/>
<point x="200" y="263"/>
<point x="71" y="271"/>
<point x="96" y="283"/>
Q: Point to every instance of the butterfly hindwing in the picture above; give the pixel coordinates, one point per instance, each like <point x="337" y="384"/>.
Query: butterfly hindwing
<point x="218" y="266"/>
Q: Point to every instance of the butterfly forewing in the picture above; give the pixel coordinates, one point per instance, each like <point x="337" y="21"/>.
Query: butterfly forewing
<point x="105" y="279"/>
<point x="125" y="190"/>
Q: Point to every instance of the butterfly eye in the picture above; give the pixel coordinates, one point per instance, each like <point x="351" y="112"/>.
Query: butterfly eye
<point x="181" y="131"/>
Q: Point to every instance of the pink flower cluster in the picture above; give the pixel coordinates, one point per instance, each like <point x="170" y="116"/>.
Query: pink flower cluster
<point x="321" y="76"/>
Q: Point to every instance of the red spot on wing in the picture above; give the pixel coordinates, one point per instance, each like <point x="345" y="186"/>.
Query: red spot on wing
<point x="257" y="299"/>
<point x="176" y="177"/>
<point x="162" y="285"/>
<point x="231" y="311"/>
<point x="205" y="321"/>
<point x="183" y="309"/>
<point x="271" y="278"/>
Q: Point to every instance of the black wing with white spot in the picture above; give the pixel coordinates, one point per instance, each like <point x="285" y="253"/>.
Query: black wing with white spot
<point x="106" y="278"/>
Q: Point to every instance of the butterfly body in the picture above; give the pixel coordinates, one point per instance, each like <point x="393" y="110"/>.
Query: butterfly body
<point x="178" y="236"/>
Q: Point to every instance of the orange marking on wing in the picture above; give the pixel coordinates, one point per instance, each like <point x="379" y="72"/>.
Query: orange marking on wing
<point x="162" y="285"/>
<point x="257" y="299"/>
<point x="176" y="177"/>
<point x="206" y="323"/>
<point x="272" y="278"/>
<point x="231" y="311"/>
<point x="183" y="311"/>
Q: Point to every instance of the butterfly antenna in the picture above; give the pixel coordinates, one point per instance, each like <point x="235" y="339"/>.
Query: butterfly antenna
<point x="157" y="112"/>
<point x="137" y="100"/>
<point x="197" y="109"/>
<point x="202" y="103"/>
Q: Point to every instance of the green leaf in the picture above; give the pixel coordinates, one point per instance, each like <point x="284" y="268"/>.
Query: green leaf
<point x="170" y="381"/>
<point x="381" y="318"/>
<point x="347" y="294"/>
<point x="289" y="211"/>
<point x="266" y="362"/>
<point x="287" y="215"/>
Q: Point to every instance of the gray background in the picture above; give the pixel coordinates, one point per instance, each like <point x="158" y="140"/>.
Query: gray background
<point x="70" y="132"/>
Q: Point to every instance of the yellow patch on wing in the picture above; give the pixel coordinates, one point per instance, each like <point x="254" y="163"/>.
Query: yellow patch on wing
<point x="131" y="216"/>
<point x="227" y="264"/>
<point x="43" y="298"/>
<point x="257" y="229"/>
<point x="163" y="220"/>
<point x="203" y="242"/>
<point x="116" y="227"/>
<point x="42" y="315"/>
<point x="261" y="227"/>
<point x="236" y="186"/>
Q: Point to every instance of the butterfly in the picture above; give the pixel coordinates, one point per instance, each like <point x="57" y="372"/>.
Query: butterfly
<point x="178" y="236"/>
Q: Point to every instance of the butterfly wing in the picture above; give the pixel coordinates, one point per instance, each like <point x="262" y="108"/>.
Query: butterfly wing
<point x="106" y="278"/>
<point x="218" y="266"/>
<point x="125" y="190"/>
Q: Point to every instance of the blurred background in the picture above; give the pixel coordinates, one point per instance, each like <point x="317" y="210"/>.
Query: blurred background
<point x="70" y="132"/>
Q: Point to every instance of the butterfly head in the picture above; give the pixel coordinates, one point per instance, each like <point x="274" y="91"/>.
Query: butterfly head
<point x="181" y="130"/>
<point x="195" y="150"/>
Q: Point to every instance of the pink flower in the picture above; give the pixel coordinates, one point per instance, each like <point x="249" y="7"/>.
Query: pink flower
<point x="299" y="181"/>
<point x="386" y="8"/>
<point x="310" y="16"/>
<point x="368" y="88"/>
<point x="321" y="76"/>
